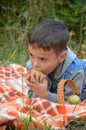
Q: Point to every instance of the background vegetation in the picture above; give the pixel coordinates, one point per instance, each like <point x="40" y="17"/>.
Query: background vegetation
<point x="19" y="17"/>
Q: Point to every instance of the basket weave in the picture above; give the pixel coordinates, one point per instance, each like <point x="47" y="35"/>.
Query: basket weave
<point x="60" y="89"/>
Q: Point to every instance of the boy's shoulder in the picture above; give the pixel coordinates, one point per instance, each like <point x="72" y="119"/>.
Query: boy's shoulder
<point x="83" y="62"/>
<point x="73" y="65"/>
<point x="77" y="65"/>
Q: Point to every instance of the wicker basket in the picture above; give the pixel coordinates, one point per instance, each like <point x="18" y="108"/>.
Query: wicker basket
<point x="60" y="89"/>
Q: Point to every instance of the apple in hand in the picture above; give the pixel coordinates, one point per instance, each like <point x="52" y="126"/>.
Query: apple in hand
<point x="39" y="72"/>
<point x="36" y="71"/>
<point x="36" y="74"/>
<point x="74" y="99"/>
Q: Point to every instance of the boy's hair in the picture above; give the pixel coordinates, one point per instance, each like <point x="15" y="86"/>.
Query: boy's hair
<point x="50" y="34"/>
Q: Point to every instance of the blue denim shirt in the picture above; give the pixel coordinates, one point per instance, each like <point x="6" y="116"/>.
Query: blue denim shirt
<point x="75" y="68"/>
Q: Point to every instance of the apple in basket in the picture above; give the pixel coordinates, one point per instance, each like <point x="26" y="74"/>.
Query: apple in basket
<point x="74" y="99"/>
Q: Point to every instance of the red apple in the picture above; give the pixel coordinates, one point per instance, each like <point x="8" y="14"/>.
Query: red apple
<point x="74" y="99"/>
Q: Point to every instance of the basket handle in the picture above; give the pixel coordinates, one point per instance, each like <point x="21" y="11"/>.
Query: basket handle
<point x="60" y="89"/>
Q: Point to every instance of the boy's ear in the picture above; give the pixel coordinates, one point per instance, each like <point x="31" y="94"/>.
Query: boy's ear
<point x="62" y="56"/>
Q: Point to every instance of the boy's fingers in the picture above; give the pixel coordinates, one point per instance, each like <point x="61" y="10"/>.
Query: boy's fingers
<point x="42" y="77"/>
<point x="32" y="86"/>
<point x="32" y="80"/>
<point x="36" y="77"/>
<point x="28" y="79"/>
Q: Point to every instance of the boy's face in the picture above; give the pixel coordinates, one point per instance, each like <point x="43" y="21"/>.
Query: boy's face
<point x="45" y="61"/>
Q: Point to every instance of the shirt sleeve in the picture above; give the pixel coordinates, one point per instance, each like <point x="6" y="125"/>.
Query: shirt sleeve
<point x="78" y="80"/>
<point x="52" y="97"/>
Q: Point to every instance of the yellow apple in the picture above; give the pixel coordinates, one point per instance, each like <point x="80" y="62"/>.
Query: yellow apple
<point x="74" y="99"/>
<point x="39" y="72"/>
<point x="35" y="72"/>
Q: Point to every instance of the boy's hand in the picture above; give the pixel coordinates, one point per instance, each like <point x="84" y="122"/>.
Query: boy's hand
<point x="38" y="83"/>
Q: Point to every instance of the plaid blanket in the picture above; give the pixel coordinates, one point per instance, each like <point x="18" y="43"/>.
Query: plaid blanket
<point x="17" y="110"/>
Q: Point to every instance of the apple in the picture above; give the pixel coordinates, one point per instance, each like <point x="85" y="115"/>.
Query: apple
<point x="35" y="72"/>
<point x="74" y="99"/>
<point x="39" y="72"/>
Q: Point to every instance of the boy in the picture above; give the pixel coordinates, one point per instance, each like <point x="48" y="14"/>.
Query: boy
<point x="49" y="54"/>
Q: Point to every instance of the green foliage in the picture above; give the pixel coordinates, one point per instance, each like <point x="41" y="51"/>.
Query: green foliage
<point x="18" y="18"/>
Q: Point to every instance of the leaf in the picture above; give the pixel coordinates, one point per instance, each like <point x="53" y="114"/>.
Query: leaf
<point x="80" y="54"/>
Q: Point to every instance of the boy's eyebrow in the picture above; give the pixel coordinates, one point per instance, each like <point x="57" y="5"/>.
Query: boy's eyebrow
<point x="39" y="57"/>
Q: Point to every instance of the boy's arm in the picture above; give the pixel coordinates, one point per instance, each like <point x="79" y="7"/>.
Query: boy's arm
<point x="78" y="80"/>
<point x="52" y="97"/>
<point x="83" y="93"/>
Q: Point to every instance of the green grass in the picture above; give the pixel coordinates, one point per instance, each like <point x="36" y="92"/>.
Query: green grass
<point x="17" y="53"/>
<point x="77" y="124"/>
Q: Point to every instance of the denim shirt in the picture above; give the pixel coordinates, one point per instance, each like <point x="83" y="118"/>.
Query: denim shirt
<point x="76" y="73"/>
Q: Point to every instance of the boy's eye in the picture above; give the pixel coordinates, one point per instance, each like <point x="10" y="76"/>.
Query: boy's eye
<point x="43" y="59"/>
<point x="30" y="55"/>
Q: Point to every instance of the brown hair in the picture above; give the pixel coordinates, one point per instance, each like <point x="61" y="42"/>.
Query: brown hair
<point x="50" y="34"/>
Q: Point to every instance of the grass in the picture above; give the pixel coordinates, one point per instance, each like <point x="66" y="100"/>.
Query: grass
<point x="77" y="124"/>
<point x="9" y="53"/>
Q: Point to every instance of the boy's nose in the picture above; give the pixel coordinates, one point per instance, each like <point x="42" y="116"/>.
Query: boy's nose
<point x="35" y="64"/>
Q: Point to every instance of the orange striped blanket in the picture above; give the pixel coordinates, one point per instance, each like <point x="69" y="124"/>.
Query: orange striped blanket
<point x="16" y="107"/>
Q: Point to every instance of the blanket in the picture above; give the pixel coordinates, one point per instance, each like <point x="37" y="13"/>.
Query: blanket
<point x="17" y="110"/>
